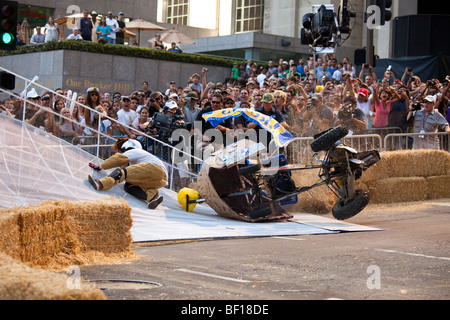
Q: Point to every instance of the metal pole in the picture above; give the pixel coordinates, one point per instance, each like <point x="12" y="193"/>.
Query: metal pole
<point x="369" y="43"/>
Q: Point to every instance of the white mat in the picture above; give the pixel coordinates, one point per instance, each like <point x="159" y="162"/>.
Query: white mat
<point x="35" y="167"/>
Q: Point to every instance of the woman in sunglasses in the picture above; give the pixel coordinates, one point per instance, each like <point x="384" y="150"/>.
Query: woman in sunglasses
<point x="92" y="102"/>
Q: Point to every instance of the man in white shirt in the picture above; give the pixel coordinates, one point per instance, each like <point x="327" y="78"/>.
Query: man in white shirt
<point x="143" y="176"/>
<point x="76" y="35"/>
<point x="126" y="116"/>
<point x="110" y="21"/>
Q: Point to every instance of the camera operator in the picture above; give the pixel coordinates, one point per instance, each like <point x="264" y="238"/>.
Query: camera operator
<point x="427" y="120"/>
<point x="317" y="117"/>
<point x="155" y="103"/>
<point x="354" y="119"/>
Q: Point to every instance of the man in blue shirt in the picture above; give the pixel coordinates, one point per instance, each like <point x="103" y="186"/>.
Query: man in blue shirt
<point x="86" y="26"/>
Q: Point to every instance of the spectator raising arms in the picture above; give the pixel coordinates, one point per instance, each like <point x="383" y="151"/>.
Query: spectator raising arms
<point x="384" y="99"/>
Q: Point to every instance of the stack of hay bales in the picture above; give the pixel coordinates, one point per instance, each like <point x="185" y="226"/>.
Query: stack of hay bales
<point x="403" y="176"/>
<point x="58" y="234"/>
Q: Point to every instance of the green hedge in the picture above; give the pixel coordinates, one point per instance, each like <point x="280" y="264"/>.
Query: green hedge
<point x="126" y="51"/>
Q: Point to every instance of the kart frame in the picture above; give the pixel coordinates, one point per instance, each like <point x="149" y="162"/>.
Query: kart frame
<point x="257" y="191"/>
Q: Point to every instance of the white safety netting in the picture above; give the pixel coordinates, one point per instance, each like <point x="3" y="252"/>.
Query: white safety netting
<point x="35" y="167"/>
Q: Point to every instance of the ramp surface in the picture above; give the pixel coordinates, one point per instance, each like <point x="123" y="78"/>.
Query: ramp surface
<point x="35" y="167"/>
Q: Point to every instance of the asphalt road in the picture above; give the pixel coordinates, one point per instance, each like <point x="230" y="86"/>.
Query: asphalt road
<point x="408" y="260"/>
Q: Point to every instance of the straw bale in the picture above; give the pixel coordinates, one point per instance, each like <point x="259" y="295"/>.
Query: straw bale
<point x="21" y="282"/>
<point x="62" y="233"/>
<point x="402" y="189"/>
<point x="409" y="163"/>
<point x="438" y="187"/>
<point x="9" y="233"/>
<point x="318" y="200"/>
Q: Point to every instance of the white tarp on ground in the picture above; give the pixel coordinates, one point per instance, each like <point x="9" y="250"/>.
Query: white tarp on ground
<point x="35" y="167"/>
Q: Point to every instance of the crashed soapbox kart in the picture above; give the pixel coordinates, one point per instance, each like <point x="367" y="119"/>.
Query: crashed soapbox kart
<point x="238" y="184"/>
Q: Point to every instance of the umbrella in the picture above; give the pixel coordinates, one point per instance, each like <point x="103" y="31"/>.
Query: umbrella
<point x="175" y="36"/>
<point x="25" y="29"/>
<point x="140" y="24"/>
<point x="71" y="21"/>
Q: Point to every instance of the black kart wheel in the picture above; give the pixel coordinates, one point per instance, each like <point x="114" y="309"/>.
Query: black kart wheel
<point x="343" y="211"/>
<point x="253" y="168"/>
<point x="328" y="139"/>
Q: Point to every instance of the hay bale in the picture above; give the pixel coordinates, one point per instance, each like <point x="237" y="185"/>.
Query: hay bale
<point x="438" y="187"/>
<point x="56" y="234"/>
<point x="20" y="282"/>
<point x="318" y="200"/>
<point x="393" y="190"/>
<point x="9" y="233"/>
<point x="409" y="163"/>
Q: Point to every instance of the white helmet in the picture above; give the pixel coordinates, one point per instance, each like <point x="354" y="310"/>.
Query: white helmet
<point x="130" y="144"/>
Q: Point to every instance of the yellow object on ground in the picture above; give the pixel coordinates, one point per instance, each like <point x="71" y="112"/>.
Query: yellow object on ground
<point x="185" y="195"/>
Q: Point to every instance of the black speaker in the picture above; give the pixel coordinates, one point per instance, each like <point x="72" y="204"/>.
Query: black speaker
<point x="420" y="35"/>
<point x="360" y="57"/>
<point x="7" y="80"/>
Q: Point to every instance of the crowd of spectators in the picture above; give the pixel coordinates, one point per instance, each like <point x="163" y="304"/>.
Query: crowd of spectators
<point x="304" y="104"/>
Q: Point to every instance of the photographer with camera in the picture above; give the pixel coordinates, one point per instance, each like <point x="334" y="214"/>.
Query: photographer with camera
<point x="316" y="116"/>
<point x="354" y="119"/>
<point x="427" y="120"/>
<point x="155" y="103"/>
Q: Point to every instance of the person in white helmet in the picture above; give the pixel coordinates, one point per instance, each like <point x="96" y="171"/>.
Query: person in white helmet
<point x="143" y="177"/>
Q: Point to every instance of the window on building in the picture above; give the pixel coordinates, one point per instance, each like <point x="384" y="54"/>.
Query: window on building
<point x="177" y="12"/>
<point x="249" y="15"/>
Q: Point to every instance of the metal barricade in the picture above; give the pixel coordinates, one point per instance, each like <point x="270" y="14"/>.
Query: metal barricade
<point x="404" y="141"/>
<point x="364" y="142"/>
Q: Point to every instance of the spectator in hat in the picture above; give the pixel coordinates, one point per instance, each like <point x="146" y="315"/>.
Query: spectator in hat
<point x="172" y="85"/>
<point x="191" y="109"/>
<point x="112" y="23"/>
<point x="95" y="23"/>
<point x="126" y="116"/>
<point x="75" y="35"/>
<point x="269" y="110"/>
<point x="120" y="34"/>
<point x="30" y="107"/>
<point x="428" y="120"/>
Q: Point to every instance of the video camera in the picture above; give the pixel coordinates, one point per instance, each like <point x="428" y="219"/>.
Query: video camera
<point x="165" y="125"/>
<point x="345" y="112"/>
<point x="322" y="29"/>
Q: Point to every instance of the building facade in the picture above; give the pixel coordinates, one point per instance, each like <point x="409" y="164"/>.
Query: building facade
<point x="245" y="29"/>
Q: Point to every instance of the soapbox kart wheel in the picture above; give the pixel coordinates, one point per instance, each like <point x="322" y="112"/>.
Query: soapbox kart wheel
<point x="329" y="138"/>
<point x="343" y="210"/>
<point x="251" y="169"/>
